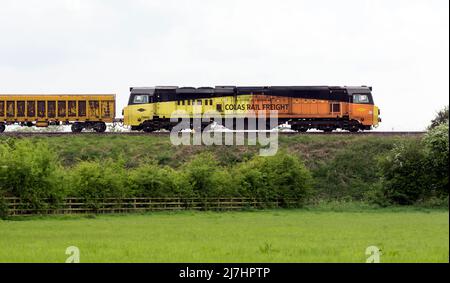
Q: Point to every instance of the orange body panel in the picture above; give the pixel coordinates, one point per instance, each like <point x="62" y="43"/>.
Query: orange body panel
<point x="300" y="108"/>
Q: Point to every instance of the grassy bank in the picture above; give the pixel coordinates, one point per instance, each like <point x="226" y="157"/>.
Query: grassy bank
<point x="314" y="150"/>
<point x="306" y="235"/>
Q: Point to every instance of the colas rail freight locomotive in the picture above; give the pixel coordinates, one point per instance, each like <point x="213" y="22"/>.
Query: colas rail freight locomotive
<point x="149" y="109"/>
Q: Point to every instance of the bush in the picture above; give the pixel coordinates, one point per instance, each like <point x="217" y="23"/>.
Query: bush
<point x="95" y="180"/>
<point x="152" y="180"/>
<point x="437" y="148"/>
<point x="30" y="171"/>
<point x="404" y="175"/>
<point x="417" y="171"/>
<point x="441" y="118"/>
<point x="276" y="177"/>
<point x="207" y="178"/>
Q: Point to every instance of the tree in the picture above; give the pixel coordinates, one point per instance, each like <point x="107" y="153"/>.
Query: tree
<point x="441" y="117"/>
<point x="404" y="175"/>
<point x="437" y="148"/>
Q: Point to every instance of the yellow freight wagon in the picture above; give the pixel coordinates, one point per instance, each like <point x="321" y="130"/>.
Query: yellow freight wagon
<point x="82" y="111"/>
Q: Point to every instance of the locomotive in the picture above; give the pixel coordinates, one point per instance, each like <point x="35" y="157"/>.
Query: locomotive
<point x="324" y="108"/>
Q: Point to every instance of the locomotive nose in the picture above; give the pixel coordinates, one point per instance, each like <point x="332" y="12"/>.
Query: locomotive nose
<point x="376" y="116"/>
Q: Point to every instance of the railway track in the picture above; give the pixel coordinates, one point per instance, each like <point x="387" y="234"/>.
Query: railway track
<point x="29" y="134"/>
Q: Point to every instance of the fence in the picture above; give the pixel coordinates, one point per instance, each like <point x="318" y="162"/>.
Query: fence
<point x="16" y="207"/>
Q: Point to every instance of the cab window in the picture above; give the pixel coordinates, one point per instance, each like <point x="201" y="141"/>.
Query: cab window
<point x="360" y="98"/>
<point x="140" y="99"/>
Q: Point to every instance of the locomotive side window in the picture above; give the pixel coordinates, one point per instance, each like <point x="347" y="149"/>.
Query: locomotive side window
<point x="140" y="99"/>
<point x="335" y="107"/>
<point x="360" y="98"/>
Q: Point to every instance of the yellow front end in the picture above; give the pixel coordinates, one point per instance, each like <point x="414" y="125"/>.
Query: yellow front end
<point x="376" y="116"/>
<point x="134" y="115"/>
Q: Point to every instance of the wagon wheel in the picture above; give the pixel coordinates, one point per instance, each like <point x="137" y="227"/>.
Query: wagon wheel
<point x="76" y="128"/>
<point x="100" y="127"/>
<point x="299" y="128"/>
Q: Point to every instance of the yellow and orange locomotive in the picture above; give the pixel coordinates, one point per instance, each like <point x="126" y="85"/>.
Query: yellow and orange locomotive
<point x="325" y="108"/>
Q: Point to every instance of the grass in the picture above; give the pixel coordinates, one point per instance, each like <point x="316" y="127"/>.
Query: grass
<point x="136" y="149"/>
<point x="301" y="235"/>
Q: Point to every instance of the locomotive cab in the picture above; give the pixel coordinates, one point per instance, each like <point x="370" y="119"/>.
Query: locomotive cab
<point x="362" y="107"/>
<point x="140" y="107"/>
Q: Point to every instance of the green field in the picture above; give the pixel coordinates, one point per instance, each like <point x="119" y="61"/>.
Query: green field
<point x="303" y="235"/>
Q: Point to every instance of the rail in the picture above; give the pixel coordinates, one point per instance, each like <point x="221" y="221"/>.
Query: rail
<point x="27" y="134"/>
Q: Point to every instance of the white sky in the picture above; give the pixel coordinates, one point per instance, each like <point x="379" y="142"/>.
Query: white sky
<point x="400" y="47"/>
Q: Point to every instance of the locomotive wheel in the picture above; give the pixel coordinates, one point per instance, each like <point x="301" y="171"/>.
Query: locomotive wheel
<point x="299" y="128"/>
<point x="148" y="129"/>
<point x="327" y="130"/>
<point x="76" y="128"/>
<point x="2" y="128"/>
<point x="353" y="130"/>
<point x="100" y="127"/>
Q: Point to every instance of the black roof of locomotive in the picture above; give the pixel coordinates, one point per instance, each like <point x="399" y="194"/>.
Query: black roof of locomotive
<point x="169" y="93"/>
<point x="245" y="89"/>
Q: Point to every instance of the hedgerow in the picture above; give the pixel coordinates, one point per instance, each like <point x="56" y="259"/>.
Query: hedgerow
<point x="32" y="172"/>
<point x="382" y="171"/>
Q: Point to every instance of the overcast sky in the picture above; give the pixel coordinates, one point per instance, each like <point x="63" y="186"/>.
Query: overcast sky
<point x="401" y="48"/>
